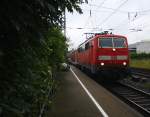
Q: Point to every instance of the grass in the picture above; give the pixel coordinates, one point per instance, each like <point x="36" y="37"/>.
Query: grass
<point x="143" y="63"/>
<point x="147" y="85"/>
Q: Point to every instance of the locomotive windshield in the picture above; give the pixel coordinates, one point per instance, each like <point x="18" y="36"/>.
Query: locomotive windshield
<point x="112" y="42"/>
<point x="119" y="43"/>
<point x="106" y="43"/>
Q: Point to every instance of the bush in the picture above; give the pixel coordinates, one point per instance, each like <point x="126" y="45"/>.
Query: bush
<point x="26" y="74"/>
<point x="31" y="49"/>
<point x="140" y="56"/>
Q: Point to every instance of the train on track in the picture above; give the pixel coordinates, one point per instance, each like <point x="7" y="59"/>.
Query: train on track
<point x="102" y="52"/>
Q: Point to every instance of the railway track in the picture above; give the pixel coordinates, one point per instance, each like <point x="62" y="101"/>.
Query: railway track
<point x="141" y="72"/>
<point x="135" y="97"/>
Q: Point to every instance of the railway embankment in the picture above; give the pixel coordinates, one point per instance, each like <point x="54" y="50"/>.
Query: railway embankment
<point x="140" y="79"/>
<point x="140" y="69"/>
<point x="140" y="60"/>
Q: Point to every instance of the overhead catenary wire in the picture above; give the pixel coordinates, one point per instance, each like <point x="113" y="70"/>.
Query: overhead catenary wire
<point x="99" y="7"/>
<point x="89" y="17"/>
<point x="80" y="28"/>
<point x="91" y="12"/>
<point x="87" y="21"/>
<point x="88" y="28"/>
<point x="136" y="13"/>
<point x="114" y="11"/>
<point x="101" y="4"/>
<point x="122" y="11"/>
<point x="104" y="20"/>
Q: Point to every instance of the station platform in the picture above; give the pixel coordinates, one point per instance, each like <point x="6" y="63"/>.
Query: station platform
<point x="72" y="100"/>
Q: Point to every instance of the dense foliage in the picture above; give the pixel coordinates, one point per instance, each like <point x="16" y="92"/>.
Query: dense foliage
<point x="140" y="56"/>
<point x="31" y="49"/>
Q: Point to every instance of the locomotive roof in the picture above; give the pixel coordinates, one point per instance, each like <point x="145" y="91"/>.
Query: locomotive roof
<point x="101" y="35"/>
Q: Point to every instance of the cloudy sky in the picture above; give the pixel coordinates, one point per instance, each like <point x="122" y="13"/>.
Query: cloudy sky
<point x="125" y="17"/>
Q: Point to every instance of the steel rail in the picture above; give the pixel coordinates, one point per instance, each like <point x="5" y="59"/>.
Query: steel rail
<point x="134" y="96"/>
<point x="141" y="72"/>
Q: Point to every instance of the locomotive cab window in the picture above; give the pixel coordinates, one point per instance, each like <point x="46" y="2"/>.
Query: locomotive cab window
<point x="112" y="43"/>
<point x="105" y="42"/>
<point x="119" y="43"/>
<point x="79" y="49"/>
<point x="87" y="46"/>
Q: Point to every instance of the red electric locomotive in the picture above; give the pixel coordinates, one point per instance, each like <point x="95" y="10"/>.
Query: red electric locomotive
<point x="103" y="52"/>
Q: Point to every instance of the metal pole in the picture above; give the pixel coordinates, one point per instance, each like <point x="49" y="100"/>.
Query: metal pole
<point x="65" y="23"/>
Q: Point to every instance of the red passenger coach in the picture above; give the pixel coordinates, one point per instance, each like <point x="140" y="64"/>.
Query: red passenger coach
<point x="103" y="52"/>
<point x="73" y="57"/>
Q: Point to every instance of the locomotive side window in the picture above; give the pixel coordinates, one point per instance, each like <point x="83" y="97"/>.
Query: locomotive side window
<point x="119" y="43"/>
<point x="105" y="42"/>
<point x="87" y="46"/>
<point x="81" y="48"/>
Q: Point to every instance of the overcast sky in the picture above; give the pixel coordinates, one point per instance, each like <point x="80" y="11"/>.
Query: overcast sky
<point x="130" y="18"/>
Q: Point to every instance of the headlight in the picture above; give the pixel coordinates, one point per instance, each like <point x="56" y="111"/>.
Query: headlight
<point x="104" y="58"/>
<point x="122" y="57"/>
<point x="102" y="64"/>
<point x="124" y="63"/>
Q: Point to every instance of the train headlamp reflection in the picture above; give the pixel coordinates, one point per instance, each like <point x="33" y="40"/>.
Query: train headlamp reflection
<point x="102" y="64"/>
<point x="124" y="63"/>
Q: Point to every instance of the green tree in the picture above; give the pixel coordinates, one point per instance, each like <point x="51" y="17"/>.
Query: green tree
<point x="31" y="48"/>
